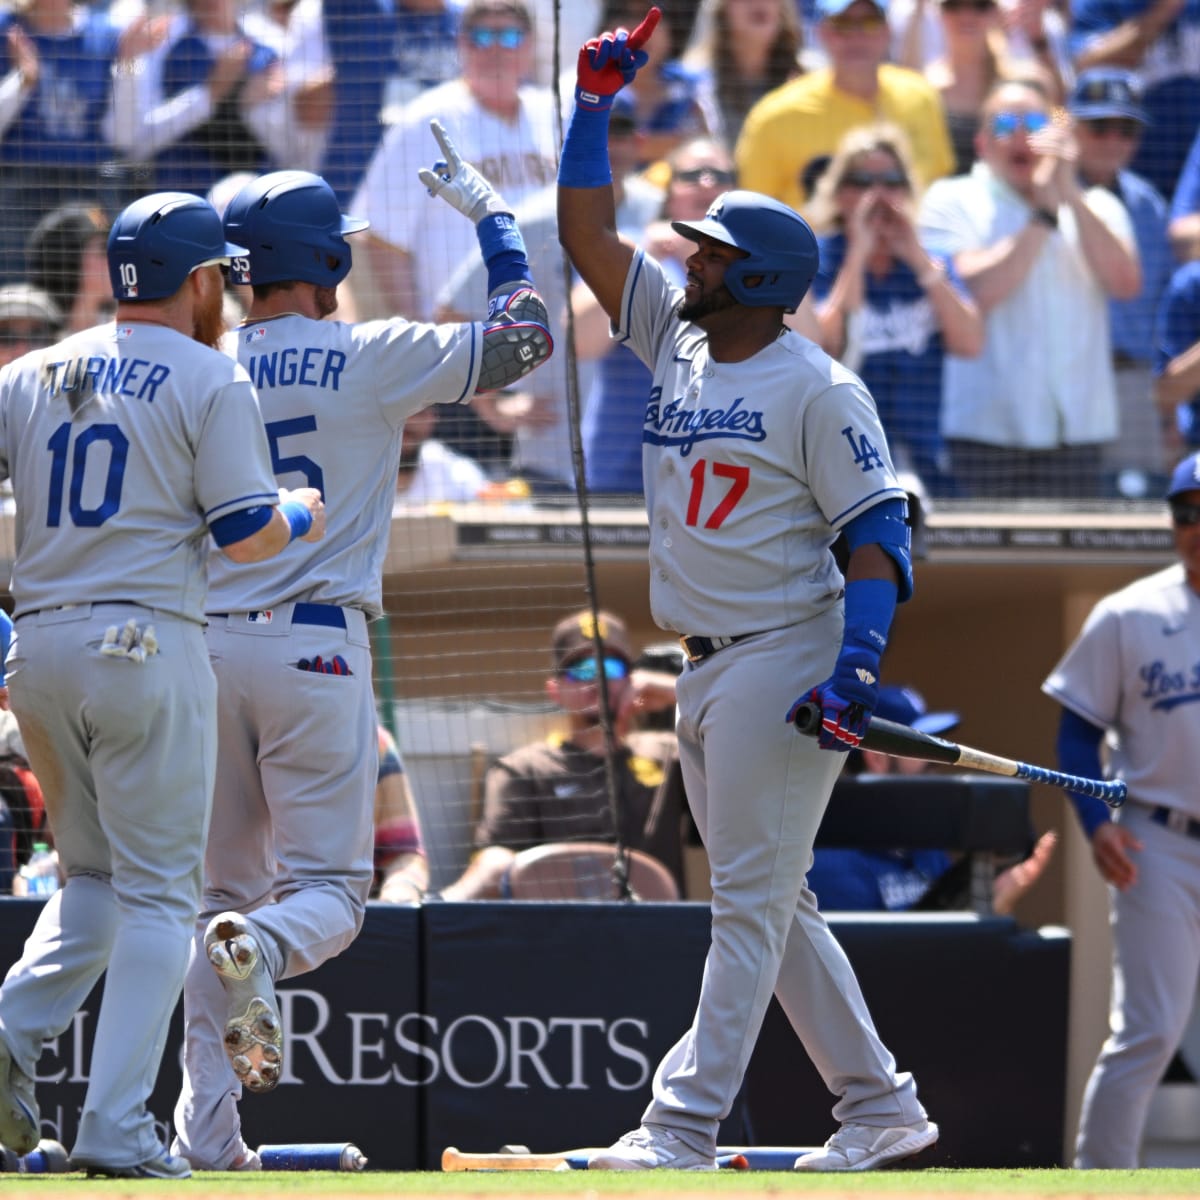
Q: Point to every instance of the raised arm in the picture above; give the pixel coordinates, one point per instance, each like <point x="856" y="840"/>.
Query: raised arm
<point x="587" y="217"/>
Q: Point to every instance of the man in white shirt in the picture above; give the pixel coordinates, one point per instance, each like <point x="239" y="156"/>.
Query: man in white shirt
<point x="1042" y="258"/>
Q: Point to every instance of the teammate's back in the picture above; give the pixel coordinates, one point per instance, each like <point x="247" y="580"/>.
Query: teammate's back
<point x="117" y="444"/>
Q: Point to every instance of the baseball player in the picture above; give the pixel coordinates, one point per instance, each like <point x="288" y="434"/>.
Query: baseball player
<point x="128" y="445"/>
<point x="1132" y="674"/>
<point x="289" y="861"/>
<point x="757" y="450"/>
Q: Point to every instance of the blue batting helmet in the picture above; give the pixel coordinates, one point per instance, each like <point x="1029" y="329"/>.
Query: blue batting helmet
<point x="781" y="249"/>
<point x="159" y="240"/>
<point x="294" y="228"/>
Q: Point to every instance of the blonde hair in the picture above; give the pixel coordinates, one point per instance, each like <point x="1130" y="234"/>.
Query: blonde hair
<point x="822" y="210"/>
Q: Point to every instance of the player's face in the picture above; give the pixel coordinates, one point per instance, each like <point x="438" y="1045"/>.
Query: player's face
<point x="1106" y="146"/>
<point x="1013" y="114"/>
<point x="576" y="688"/>
<point x="705" y="292"/>
<point x="1185" y="522"/>
<point x="208" y="314"/>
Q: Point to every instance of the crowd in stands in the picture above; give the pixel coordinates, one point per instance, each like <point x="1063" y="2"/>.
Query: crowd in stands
<point x="1016" y="286"/>
<point x="1006" y="193"/>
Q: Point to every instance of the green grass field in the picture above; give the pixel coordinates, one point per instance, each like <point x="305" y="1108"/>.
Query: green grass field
<point x="934" y="1182"/>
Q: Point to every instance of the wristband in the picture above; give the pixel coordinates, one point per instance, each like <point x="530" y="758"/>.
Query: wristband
<point x="503" y="251"/>
<point x="870" y="606"/>
<point x="298" y="518"/>
<point x="583" y="161"/>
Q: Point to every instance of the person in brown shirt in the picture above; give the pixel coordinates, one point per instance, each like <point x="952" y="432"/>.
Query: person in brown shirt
<point x="556" y="790"/>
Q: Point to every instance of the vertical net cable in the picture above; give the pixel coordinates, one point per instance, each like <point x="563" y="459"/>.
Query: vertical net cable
<point x="620" y="867"/>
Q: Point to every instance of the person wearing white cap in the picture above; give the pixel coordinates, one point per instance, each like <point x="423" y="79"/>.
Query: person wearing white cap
<point x="28" y="319"/>
<point x="1131" y="679"/>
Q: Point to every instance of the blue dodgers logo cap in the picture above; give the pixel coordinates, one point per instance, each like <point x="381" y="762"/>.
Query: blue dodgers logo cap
<point x="1185" y="477"/>
<point x="834" y="8"/>
<point x="907" y="707"/>
<point x="1107" y="92"/>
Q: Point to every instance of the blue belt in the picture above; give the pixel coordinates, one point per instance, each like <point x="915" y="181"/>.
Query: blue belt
<point x="330" y="615"/>
<point x="1176" y="821"/>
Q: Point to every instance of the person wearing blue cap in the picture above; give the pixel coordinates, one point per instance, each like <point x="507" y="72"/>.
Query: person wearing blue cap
<point x="1177" y="359"/>
<point x="1110" y="122"/>
<point x="1130" y="679"/>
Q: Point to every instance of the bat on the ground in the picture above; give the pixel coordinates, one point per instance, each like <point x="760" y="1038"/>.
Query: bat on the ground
<point x="902" y="741"/>
<point x="454" y="1159"/>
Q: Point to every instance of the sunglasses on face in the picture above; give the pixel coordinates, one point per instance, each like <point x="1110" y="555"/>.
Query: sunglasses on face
<point x="1005" y="124"/>
<point x="977" y="6"/>
<point x="867" y="179"/>
<point x="869" y="23"/>
<point x="508" y="38"/>
<point x="701" y="174"/>
<point x="1185" y="514"/>
<point x="586" y="670"/>
<point x="1125" y="127"/>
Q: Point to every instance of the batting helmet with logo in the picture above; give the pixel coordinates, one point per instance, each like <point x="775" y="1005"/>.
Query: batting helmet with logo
<point x="294" y="228"/>
<point x="781" y="250"/>
<point x="159" y="240"/>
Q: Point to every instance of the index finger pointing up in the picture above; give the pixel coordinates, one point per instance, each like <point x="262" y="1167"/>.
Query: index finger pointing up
<point x="641" y="35"/>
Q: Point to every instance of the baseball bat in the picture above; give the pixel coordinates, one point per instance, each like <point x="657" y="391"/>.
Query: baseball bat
<point x="454" y="1159"/>
<point x="890" y="737"/>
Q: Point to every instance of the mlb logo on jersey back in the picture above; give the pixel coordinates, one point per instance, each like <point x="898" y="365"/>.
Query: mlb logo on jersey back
<point x="123" y="332"/>
<point x="256" y="335"/>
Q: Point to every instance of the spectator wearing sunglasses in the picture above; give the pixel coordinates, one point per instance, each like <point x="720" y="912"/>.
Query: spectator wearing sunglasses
<point x="978" y="54"/>
<point x="557" y="790"/>
<point x="804" y="120"/>
<point x="1041" y="257"/>
<point x="887" y="308"/>
<point x="1129" y="678"/>
<point x="1109" y="124"/>
<point x="1160" y="40"/>
<point x="507" y="129"/>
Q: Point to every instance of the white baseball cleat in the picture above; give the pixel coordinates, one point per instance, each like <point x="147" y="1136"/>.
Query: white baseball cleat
<point x="868" y="1147"/>
<point x="20" y="1119"/>
<point x="161" y="1166"/>
<point x="253" y="1030"/>
<point x="648" y="1148"/>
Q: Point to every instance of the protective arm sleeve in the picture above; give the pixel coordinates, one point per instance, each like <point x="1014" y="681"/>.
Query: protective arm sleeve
<point x="1079" y="754"/>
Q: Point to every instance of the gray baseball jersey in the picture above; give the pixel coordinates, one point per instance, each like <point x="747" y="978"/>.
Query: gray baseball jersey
<point x="291" y="837"/>
<point x="750" y="468"/>
<point x="1133" y="670"/>
<point x="117" y="441"/>
<point x="122" y="443"/>
<point x="334" y="397"/>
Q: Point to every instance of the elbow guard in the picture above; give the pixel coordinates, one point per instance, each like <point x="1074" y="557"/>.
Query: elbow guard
<point x="886" y="524"/>
<point x="516" y="338"/>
